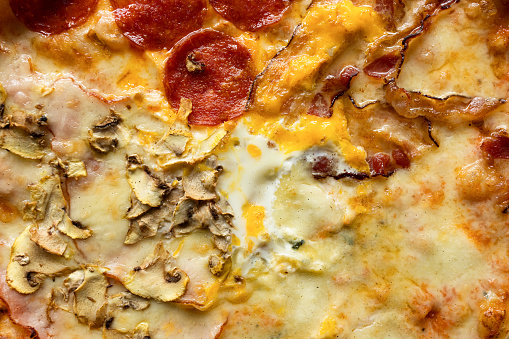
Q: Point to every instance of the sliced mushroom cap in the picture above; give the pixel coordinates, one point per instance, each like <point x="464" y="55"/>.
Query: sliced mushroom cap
<point x="45" y="232"/>
<point x="147" y="188"/>
<point x="147" y="224"/>
<point x="199" y="150"/>
<point x="39" y="194"/>
<point x="174" y="142"/>
<point x="75" y="169"/>
<point x="141" y="331"/>
<point x="157" y="278"/>
<point x="30" y="265"/>
<point x="20" y="141"/>
<point x="200" y="185"/>
<point x="102" y="138"/>
<point x="185" y="108"/>
<point x="103" y="144"/>
<point x="73" y="229"/>
<point x="90" y="298"/>
<point x="49" y="238"/>
<point x="136" y="209"/>
<point x="126" y="300"/>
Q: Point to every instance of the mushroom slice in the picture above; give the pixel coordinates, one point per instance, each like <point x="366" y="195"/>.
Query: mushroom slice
<point x="127" y="300"/>
<point x="103" y="144"/>
<point x="147" y="188"/>
<point x="201" y="217"/>
<point x="30" y="264"/>
<point x="223" y="206"/>
<point x="174" y="142"/>
<point x="222" y="243"/>
<point x="157" y="278"/>
<point x="184" y="210"/>
<point x="118" y="312"/>
<point x="217" y="264"/>
<point x="73" y="168"/>
<point x="102" y="138"/>
<point x="39" y="194"/>
<point x="144" y="227"/>
<point x="199" y="150"/>
<point x="21" y="134"/>
<point x="220" y="225"/>
<point x="147" y="224"/>
<point x="73" y="229"/>
<point x="90" y="297"/>
<point x="53" y="205"/>
<point x="141" y="331"/>
<point x="20" y="142"/>
<point x="136" y="209"/>
<point x="200" y="185"/>
<point x="47" y="237"/>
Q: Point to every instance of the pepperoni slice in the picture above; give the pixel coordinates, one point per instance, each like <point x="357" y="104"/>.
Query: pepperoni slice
<point x="212" y="70"/>
<point x="156" y="24"/>
<point x="251" y="15"/>
<point x="52" y="16"/>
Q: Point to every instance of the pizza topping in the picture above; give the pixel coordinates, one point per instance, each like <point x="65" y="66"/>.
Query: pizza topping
<point x="90" y="297"/>
<point x="102" y="138"/>
<point x="251" y="15"/>
<point x="174" y="142"/>
<point x="327" y="163"/>
<point x="201" y="184"/>
<point x="23" y="134"/>
<point x="412" y="104"/>
<point x="493" y="312"/>
<point x="338" y="83"/>
<point x="158" y="24"/>
<point x="383" y="66"/>
<point x="320" y="107"/>
<point x="136" y="209"/>
<point x="194" y="66"/>
<point x="380" y="164"/>
<point x="52" y="16"/>
<point x="126" y="300"/>
<point x="148" y="223"/>
<point x="48" y="211"/>
<point x="401" y="158"/>
<point x="496" y="147"/>
<point x="290" y="78"/>
<point x="157" y="278"/>
<point x="218" y="90"/>
<point x="217" y="264"/>
<point x="148" y="188"/>
<point x="73" y="168"/>
<point x="26" y="275"/>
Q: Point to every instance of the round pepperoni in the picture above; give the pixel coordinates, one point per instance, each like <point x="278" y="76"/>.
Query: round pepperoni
<point x="156" y="24"/>
<point x="251" y="15"/>
<point x="52" y="16"/>
<point x="212" y="70"/>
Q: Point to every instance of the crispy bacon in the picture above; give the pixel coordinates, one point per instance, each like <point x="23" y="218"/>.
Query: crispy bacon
<point x="496" y="147"/>
<point x="320" y="107"/>
<point x="400" y="158"/>
<point x="380" y="164"/>
<point x="383" y="66"/>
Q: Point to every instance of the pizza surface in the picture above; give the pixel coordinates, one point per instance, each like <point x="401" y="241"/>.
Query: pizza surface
<point x="254" y="169"/>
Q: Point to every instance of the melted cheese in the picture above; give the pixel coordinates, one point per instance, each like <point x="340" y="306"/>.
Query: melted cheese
<point x="401" y="257"/>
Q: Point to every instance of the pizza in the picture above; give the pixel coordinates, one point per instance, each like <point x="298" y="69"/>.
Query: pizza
<point x="254" y="169"/>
